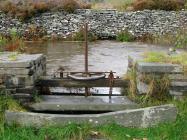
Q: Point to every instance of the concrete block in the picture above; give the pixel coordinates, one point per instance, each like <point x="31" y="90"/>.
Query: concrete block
<point x="23" y="60"/>
<point x="158" y="68"/>
<point x="143" y="117"/>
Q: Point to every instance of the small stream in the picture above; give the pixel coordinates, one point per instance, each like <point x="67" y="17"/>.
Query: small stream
<point x="103" y="56"/>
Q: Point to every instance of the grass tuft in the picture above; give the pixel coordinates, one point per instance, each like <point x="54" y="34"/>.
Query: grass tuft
<point x="125" y="36"/>
<point x="161" y="57"/>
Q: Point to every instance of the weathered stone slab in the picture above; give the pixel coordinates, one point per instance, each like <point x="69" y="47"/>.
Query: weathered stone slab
<point x="178" y="85"/>
<point x="142" y="87"/>
<point x="22" y="61"/>
<point x="178" y="77"/>
<point x="143" y="117"/>
<point x="158" y="68"/>
<point x="80" y="103"/>
<point x="19" y="71"/>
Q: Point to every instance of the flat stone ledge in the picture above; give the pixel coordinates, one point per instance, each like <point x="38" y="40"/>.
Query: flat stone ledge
<point x="22" y="61"/>
<point x="144" y="67"/>
<point x="82" y="103"/>
<point x="143" y="117"/>
<point x="178" y="85"/>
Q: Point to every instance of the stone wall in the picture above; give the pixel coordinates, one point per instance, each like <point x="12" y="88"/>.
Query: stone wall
<point x="175" y="74"/>
<point x="104" y="23"/>
<point x="23" y="71"/>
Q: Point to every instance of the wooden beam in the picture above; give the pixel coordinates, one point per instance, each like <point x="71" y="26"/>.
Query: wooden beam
<point x="66" y="82"/>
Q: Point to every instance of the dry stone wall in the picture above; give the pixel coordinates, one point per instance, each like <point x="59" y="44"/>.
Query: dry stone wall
<point x="104" y="23"/>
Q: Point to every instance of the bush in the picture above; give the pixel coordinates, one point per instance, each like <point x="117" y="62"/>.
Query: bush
<point x="70" y="5"/>
<point x="34" y="33"/>
<point x="79" y="36"/>
<point x="167" y="5"/>
<point x="23" y="11"/>
<point x="26" y="10"/>
<point x="125" y="36"/>
<point x="12" y="42"/>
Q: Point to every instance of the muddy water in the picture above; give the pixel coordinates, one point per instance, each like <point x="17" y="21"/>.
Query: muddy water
<point x="103" y="56"/>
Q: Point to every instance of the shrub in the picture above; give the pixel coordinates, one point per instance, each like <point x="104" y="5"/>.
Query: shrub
<point x="143" y="4"/>
<point x="26" y="10"/>
<point x="70" y="5"/>
<point x="167" y="5"/>
<point x="34" y="33"/>
<point x="125" y="36"/>
<point x="12" y="42"/>
<point x="79" y="36"/>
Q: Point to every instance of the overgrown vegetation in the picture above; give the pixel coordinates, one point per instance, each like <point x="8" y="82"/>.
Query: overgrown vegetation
<point x="134" y="5"/>
<point x="157" y="92"/>
<point x="178" y="40"/>
<point x="12" y="43"/>
<point x="34" y="33"/>
<point x="125" y="36"/>
<point x="168" y="5"/>
<point x="27" y="9"/>
<point x="162" y="57"/>
<point x="79" y="36"/>
<point x="7" y="103"/>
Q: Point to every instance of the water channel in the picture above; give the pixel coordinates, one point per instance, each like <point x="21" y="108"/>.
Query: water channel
<point x="103" y="56"/>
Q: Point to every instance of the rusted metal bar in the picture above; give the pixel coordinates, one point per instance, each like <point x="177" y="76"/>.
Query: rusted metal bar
<point x="86" y="47"/>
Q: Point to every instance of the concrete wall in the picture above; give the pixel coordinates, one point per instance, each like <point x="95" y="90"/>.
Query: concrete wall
<point x="104" y="23"/>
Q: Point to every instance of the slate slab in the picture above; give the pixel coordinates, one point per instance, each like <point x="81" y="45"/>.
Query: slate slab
<point x="143" y="117"/>
<point x="82" y="103"/>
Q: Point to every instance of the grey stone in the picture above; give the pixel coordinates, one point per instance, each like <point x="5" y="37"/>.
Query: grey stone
<point x="178" y="85"/>
<point x="143" y="117"/>
<point x="104" y="23"/>
<point x="22" y="61"/>
<point x="76" y="103"/>
<point x="142" y="87"/>
<point x="144" y="67"/>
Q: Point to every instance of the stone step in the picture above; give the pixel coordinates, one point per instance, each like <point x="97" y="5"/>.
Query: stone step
<point x="82" y="103"/>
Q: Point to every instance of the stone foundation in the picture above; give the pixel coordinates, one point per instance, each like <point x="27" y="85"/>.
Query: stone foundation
<point x="23" y="71"/>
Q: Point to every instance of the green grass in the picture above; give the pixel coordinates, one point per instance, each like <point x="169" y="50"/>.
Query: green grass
<point x="161" y="57"/>
<point x="125" y="36"/>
